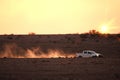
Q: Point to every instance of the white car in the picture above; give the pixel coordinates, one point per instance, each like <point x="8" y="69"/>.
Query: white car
<point x="88" y="53"/>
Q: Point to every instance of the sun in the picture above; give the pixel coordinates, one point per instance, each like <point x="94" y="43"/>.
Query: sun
<point x="104" y="29"/>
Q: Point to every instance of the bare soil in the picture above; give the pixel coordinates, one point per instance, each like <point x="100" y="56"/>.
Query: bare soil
<point x="60" y="68"/>
<point x="106" y="68"/>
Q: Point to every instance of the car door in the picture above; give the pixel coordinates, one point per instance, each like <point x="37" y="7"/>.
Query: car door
<point x="90" y="54"/>
<point x="86" y="54"/>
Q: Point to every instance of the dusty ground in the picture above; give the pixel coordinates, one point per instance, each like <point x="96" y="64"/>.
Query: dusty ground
<point x="107" y="68"/>
<point x="69" y="43"/>
<point x="63" y="69"/>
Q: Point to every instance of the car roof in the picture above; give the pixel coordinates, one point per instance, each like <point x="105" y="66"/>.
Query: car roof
<point x="89" y="50"/>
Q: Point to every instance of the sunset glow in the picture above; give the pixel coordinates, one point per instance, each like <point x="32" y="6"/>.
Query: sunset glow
<point x="104" y="29"/>
<point x="57" y="16"/>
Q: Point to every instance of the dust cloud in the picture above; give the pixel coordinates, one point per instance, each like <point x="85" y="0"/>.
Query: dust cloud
<point x="14" y="51"/>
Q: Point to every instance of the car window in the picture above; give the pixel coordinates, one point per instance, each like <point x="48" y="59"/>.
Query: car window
<point x="85" y="52"/>
<point x="89" y="52"/>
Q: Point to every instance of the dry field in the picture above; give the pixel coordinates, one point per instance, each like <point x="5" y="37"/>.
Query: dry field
<point x="63" y="69"/>
<point x="12" y="68"/>
<point x="69" y="43"/>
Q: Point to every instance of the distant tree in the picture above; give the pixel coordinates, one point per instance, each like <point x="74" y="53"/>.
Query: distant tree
<point x="31" y="33"/>
<point x="10" y="36"/>
<point x="94" y="32"/>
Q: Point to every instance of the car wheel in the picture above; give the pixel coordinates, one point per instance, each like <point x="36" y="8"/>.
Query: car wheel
<point x="80" y="57"/>
<point x="100" y="56"/>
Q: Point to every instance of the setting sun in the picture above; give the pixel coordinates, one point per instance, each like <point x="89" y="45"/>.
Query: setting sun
<point x="104" y="29"/>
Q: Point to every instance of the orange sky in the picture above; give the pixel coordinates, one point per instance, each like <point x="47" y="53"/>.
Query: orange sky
<point x="58" y="16"/>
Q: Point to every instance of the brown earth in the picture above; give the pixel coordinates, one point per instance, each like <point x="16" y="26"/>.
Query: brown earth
<point x="60" y="69"/>
<point x="106" y="68"/>
<point x="69" y="43"/>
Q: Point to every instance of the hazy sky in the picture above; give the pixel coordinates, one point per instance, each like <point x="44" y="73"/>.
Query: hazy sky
<point x="58" y="16"/>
